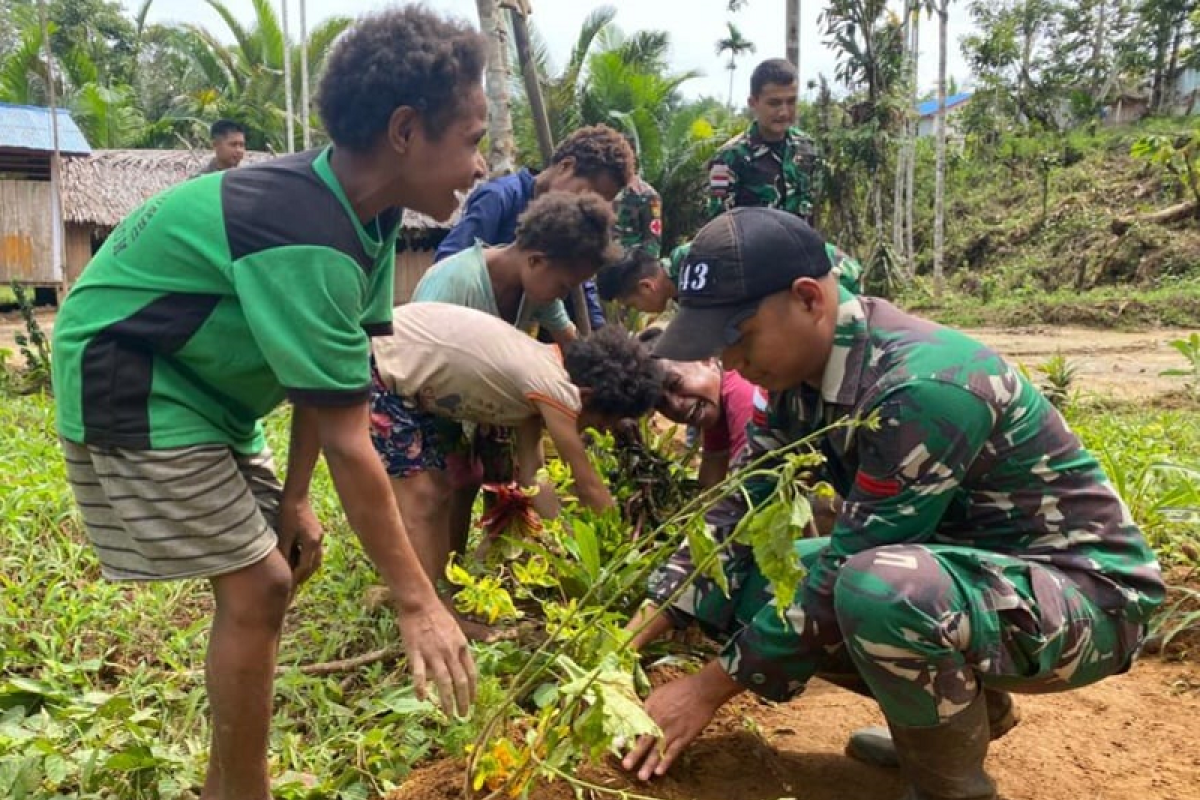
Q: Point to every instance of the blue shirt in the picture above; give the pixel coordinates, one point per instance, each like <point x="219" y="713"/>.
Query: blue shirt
<point x="491" y="216"/>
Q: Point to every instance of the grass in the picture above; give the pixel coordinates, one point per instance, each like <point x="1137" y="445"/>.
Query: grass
<point x="100" y="695"/>
<point x="1172" y="304"/>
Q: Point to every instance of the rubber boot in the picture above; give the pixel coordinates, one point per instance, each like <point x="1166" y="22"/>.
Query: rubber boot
<point x="874" y="745"/>
<point x="945" y="761"/>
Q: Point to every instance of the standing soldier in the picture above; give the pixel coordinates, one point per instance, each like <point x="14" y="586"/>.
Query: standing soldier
<point x="773" y="163"/>
<point x="639" y="215"/>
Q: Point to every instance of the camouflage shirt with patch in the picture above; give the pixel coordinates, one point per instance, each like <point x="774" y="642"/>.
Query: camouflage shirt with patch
<point x="748" y="171"/>
<point x="967" y="453"/>
<point x="639" y="217"/>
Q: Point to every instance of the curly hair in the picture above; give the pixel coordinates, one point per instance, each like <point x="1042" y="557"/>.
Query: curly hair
<point x="620" y="279"/>
<point x="574" y="229"/>
<point x="598" y="150"/>
<point x="400" y="57"/>
<point x="624" y="379"/>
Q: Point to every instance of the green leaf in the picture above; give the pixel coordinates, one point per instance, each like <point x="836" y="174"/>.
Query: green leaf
<point x="405" y="704"/>
<point x="772" y="532"/>
<point x="587" y="547"/>
<point x="609" y="687"/>
<point x="703" y="550"/>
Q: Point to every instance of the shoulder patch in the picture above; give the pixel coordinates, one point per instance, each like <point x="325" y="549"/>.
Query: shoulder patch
<point x="759" y="415"/>
<point x="876" y="487"/>
<point x="720" y="178"/>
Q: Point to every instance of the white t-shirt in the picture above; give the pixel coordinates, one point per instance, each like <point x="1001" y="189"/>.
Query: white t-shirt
<point x="470" y="366"/>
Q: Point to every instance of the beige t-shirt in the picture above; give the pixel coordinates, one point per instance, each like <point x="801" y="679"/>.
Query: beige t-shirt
<point x="469" y="366"/>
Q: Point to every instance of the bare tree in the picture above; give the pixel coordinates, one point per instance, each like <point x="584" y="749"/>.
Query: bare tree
<point x="910" y="177"/>
<point x="942" y="9"/>
<point x="501" y="147"/>
<point x="288" y="109"/>
<point x="792" y="28"/>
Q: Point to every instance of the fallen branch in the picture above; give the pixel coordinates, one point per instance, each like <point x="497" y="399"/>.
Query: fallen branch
<point x="1164" y="217"/>
<point x="390" y="653"/>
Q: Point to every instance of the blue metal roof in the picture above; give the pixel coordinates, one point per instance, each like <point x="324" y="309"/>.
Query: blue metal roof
<point x="930" y="107"/>
<point x="28" y="128"/>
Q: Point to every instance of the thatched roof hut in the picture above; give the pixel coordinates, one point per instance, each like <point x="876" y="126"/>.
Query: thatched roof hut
<point x="99" y="190"/>
<point x="102" y="188"/>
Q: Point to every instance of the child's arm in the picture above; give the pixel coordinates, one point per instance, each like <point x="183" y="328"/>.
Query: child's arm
<point x="589" y="487"/>
<point x="530" y="459"/>
<point x="714" y="466"/>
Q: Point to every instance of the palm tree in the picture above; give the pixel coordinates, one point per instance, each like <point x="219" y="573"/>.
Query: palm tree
<point x="245" y="81"/>
<point x="736" y="45"/>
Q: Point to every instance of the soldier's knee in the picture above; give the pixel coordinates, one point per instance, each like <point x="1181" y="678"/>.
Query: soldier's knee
<point x="888" y="588"/>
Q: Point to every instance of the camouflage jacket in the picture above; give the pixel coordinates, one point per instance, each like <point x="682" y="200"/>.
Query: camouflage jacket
<point x="639" y="217"/>
<point x="966" y="453"/>
<point x="747" y="171"/>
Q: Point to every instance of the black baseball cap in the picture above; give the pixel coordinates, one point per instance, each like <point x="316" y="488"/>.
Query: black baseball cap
<point x="735" y="261"/>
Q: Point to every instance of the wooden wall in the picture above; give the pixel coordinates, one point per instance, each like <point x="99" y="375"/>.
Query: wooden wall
<point x="26" y="232"/>
<point x="410" y="266"/>
<point x="79" y="250"/>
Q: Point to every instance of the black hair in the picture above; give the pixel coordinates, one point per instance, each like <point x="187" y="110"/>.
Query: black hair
<point x="624" y="380"/>
<point x="223" y="127"/>
<point x="573" y="229"/>
<point x="598" y="150"/>
<point x="400" y="57"/>
<point x="778" y="71"/>
<point x="649" y="336"/>
<point x="621" y="278"/>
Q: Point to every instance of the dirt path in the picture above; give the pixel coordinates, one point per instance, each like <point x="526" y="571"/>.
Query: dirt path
<point x="1116" y="364"/>
<point x="1132" y="737"/>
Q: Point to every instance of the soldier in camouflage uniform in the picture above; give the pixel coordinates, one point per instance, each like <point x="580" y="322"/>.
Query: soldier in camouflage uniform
<point x="639" y="217"/>
<point x="980" y="548"/>
<point x="772" y="164"/>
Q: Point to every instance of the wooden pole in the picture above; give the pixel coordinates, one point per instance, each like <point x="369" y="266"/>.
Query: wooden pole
<point x="533" y="87"/>
<point x="304" y="101"/>
<point x="57" y="233"/>
<point x="288" y="109"/>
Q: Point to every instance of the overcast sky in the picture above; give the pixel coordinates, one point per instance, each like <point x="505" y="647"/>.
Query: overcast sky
<point x="694" y="25"/>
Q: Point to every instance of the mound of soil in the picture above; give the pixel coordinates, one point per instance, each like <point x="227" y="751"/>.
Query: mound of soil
<point x="1131" y="737"/>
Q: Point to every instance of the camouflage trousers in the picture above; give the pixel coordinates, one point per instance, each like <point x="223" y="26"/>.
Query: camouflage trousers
<point x="923" y="625"/>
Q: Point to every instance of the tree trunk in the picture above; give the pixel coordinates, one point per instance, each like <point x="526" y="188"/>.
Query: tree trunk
<point x="533" y="87"/>
<point x="1098" y="42"/>
<point x="902" y="151"/>
<point x="305" y="105"/>
<point x="288" y="109"/>
<point x="939" y="198"/>
<point x="501" y="147"/>
<point x="792" y="30"/>
<point x="1169" y="81"/>
<point x="910" y="179"/>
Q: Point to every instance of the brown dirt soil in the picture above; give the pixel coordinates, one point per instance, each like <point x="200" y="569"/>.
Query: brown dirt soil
<point x="1132" y="737"/>
<point x="1113" y="364"/>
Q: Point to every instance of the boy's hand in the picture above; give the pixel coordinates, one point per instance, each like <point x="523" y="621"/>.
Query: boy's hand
<point x="437" y="651"/>
<point x="300" y="539"/>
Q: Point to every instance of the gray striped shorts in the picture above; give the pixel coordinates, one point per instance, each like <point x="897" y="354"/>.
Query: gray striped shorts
<point x="189" y="512"/>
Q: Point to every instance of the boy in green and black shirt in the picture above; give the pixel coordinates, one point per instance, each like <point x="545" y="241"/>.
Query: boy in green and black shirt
<point x="223" y="296"/>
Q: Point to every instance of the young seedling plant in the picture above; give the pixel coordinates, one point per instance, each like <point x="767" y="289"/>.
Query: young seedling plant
<point x="575" y="697"/>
